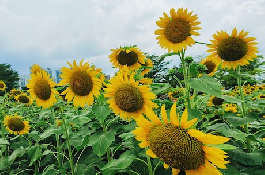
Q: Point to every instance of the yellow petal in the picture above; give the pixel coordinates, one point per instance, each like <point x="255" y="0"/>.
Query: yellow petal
<point x="184" y="117"/>
<point x="150" y="153"/>
<point x="207" y="138"/>
<point x="164" y="114"/>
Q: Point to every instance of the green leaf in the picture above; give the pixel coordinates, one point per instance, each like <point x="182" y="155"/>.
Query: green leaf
<point x="49" y="170"/>
<point x="80" y="120"/>
<point x="224" y="147"/>
<point x="101" y="112"/>
<point x="237" y="134"/>
<point x="4" y="163"/>
<point x="194" y="113"/>
<point x="235" y="120"/>
<point x="34" y="153"/>
<point x="230" y="170"/>
<point x="16" y="153"/>
<point x="254" y="158"/>
<point x="4" y="141"/>
<point x="48" y="132"/>
<point x="206" y="84"/>
<point x="100" y="142"/>
<point x="231" y="99"/>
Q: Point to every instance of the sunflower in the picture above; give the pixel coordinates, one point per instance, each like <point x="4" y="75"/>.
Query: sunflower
<point x="128" y="98"/>
<point x="215" y="101"/>
<point x="83" y="82"/>
<point x="261" y="96"/>
<point x="146" y="80"/>
<point x="176" y="30"/>
<point x="41" y="88"/>
<point x="210" y="65"/>
<point x="230" y="108"/>
<point x="24" y="98"/>
<point x="15" y="125"/>
<point x="147" y="66"/>
<point x="2" y="85"/>
<point x="130" y="57"/>
<point x="178" y="147"/>
<point x="232" y="51"/>
<point x="14" y="92"/>
<point x="36" y="68"/>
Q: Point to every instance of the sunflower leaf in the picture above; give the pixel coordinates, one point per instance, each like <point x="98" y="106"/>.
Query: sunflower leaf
<point x="4" y="141"/>
<point x="253" y="158"/>
<point x="207" y="85"/>
<point x="231" y="99"/>
<point x="100" y="142"/>
<point x="234" y="120"/>
<point x="101" y="112"/>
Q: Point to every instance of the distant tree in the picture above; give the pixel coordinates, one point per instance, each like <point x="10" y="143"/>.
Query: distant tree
<point x="160" y="68"/>
<point x="9" y="76"/>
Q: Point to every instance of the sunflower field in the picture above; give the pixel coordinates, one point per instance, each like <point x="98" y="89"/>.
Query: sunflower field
<point x="89" y="125"/>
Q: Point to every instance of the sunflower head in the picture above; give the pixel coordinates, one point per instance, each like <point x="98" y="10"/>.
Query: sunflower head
<point x="230" y="108"/>
<point x="84" y="83"/>
<point x="36" y="68"/>
<point x="15" y="125"/>
<point x="261" y="96"/>
<point x="14" y="92"/>
<point x="127" y="97"/>
<point x="232" y="50"/>
<point x="215" y="101"/>
<point x="129" y="56"/>
<point x="176" y="145"/>
<point x="176" y="30"/>
<point x="41" y="88"/>
<point x="210" y="66"/>
<point x="2" y="85"/>
<point x="24" y="98"/>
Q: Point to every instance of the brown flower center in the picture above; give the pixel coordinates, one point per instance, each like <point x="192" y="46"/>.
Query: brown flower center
<point x="42" y="89"/>
<point x="217" y="101"/>
<point x="175" y="147"/>
<point x="177" y="30"/>
<point x="81" y="83"/>
<point x="210" y="66"/>
<point x="232" y="49"/>
<point x="23" y="99"/>
<point x="128" y="59"/>
<point x="2" y="85"/>
<point x="128" y="98"/>
<point x="15" y="124"/>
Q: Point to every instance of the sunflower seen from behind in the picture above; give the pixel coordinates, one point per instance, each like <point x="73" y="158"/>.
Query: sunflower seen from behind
<point x="233" y="50"/>
<point x="128" y="97"/>
<point x="129" y="57"/>
<point x="16" y="125"/>
<point x="84" y="83"/>
<point x="176" y="30"/>
<point x="179" y="147"/>
<point x="36" y="68"/>
<point x="41" y="88"/>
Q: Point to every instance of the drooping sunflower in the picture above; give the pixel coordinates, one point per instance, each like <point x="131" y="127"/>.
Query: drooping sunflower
<point x="128" y="98"/>
<point x="232" y="50"/>
<point x="83" y="82"/>
<point x="14" y="93"/>
<point x="129" y="57"/>
<point x="179" y="147"/>
<point x="210" y="65"/>
<point x="41" y="88"/>
<point x="15" y="124"/>
<point x="2" y="85"/>
<point x="148" y="66"/>
<point x="176" y="30"/>
<point x="24" y="98"/>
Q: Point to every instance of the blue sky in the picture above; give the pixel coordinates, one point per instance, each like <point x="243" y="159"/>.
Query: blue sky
<point x="52" y="32"/>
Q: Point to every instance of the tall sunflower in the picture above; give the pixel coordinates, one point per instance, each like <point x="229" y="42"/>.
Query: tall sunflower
<point x="15" y="124"/>
<point x="210" y="65"/>
<point x="232" y="50"/>
<point x="130" y="57"/>
<point x="176" y="30"/>
<point x="24" y="98"/>
<point x="128" y="98"/>
<point x="41" y="88"/>
<point x="2" y="85"/>
<point x="35" y="68"/>
<point x="83" y="83"/>
<point x="178" y="147"/>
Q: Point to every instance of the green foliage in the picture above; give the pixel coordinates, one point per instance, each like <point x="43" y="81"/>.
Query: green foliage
<point x="9" y="76"/>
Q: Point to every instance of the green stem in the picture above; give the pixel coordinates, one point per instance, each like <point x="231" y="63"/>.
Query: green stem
<point x="69" y="146"/>
<point x="243" y="107"/>
<point x="150" y="168"/>
<point x="185" y="74"/>
<point x="57" y="141"/>
<point x="105" y="130"/>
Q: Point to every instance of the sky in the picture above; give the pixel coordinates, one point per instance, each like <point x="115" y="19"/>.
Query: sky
<point x="52" y="32"/>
